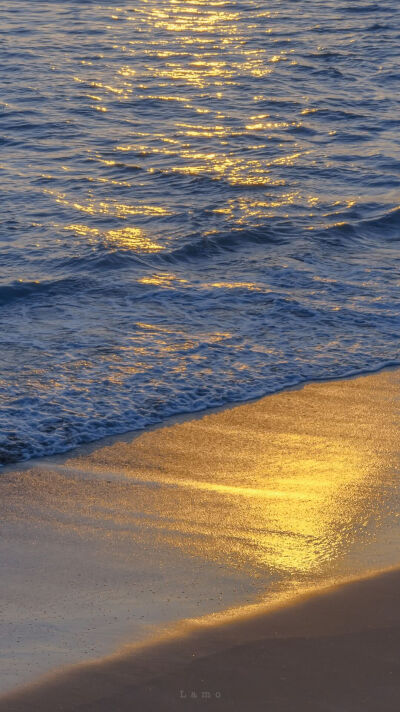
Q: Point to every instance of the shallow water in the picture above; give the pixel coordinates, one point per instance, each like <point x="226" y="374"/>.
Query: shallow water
<point x="200" y="205"/>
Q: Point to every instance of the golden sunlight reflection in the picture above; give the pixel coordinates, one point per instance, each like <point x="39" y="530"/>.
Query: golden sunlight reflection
<point x="189" y="67"/>
<point x="129" y="238"/>
<point x="132" y="238"/>
<point x="112" y="207"/>
<point x="202" y="54"/>
<point x="245" y="210"/>
<point x="162" y="279"/>
<point x="287" y="484"/>
<point x="195" y="70"/>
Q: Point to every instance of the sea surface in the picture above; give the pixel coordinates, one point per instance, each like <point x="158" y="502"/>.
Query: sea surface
<point x="199" y="205"/>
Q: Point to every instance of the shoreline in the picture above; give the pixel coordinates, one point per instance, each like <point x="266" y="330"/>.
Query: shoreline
<point x="197" y="518"/>
<point x="130" y="435"/>
<point x="327" y="649"/>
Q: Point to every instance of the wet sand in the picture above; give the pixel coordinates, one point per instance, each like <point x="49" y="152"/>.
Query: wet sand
<point x="116" y="543"/>
<point x="336" y="650"/>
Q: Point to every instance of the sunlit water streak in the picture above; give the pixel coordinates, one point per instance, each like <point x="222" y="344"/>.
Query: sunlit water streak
<point x="199" y="205"/>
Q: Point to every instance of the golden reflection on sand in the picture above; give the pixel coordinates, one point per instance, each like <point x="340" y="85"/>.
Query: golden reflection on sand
<point x="287" y="484"/>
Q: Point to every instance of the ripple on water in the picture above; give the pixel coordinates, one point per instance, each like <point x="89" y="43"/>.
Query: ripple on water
<point x="200" y="205"/>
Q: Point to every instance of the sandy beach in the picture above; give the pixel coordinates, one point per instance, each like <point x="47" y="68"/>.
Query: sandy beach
<point x="336" y="650"/>
<point x="212" y="520"/>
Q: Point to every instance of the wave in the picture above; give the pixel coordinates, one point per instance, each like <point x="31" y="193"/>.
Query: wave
<point x="55" y="440"/>
<point x="386" y="226"/>
<point x="84" y="270"/>
<point x="26" y="290"/>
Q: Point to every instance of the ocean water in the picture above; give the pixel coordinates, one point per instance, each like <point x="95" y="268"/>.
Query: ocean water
<point x="200" y="205"/>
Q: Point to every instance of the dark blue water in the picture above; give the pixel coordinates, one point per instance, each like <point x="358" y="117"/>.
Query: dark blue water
<point x="200" y="204"/>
